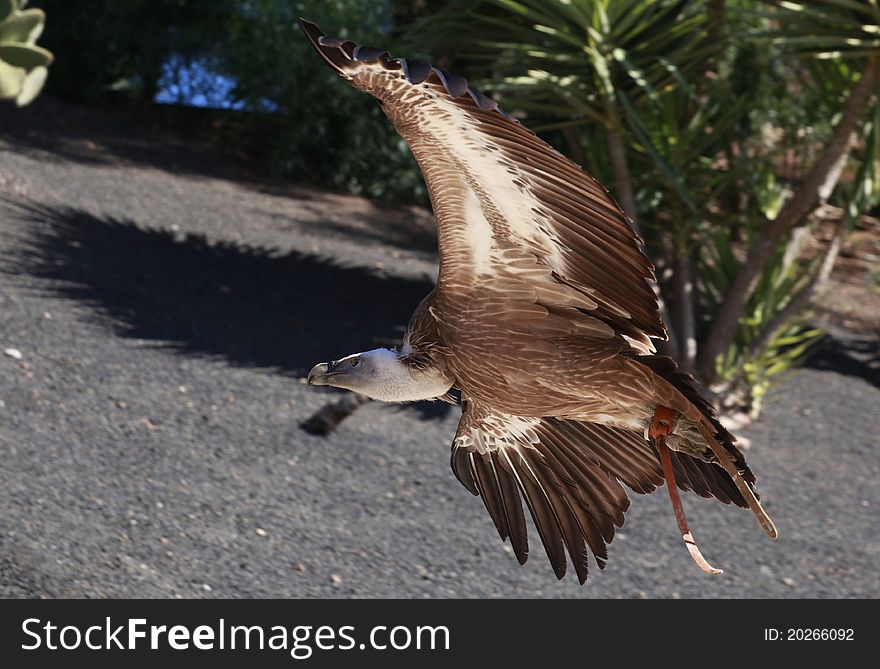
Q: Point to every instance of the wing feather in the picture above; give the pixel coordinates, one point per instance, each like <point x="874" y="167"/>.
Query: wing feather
<point x="626" y="455"/>
<point x="569" y="475"/>
<point x="574" y="503"/>
<point x="513" y="511"/>
<point x="496" y="186"/>
<point x="540" y="508"/>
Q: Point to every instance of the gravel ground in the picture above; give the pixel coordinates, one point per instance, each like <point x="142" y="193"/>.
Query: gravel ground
<point x="159" y="308"/>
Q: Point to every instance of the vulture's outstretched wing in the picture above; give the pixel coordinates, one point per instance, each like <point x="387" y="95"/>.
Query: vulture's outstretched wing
<point x="511" y="211"/>
<point x="569" y="475"/>
<point x="574" y="503"/>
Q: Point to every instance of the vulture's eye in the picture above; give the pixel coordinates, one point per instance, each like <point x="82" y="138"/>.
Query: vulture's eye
<point x="355" y="362"/>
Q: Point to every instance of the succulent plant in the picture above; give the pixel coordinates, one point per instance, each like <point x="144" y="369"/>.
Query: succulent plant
<point x="23" y="64"/>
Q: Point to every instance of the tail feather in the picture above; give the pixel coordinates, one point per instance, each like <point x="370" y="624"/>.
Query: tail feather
<point x="687" y="385"/>
<point x="731" y="470"/>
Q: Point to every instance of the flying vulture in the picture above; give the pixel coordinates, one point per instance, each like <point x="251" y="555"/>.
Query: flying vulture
<point x="543" y="318"/>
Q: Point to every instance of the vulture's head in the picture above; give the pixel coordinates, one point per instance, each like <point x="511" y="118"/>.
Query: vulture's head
<point x="383" y="374"/>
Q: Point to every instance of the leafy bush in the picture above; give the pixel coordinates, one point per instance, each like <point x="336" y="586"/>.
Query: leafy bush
<point x="300" y="122"/>
<point x="762" y="349"/>
<point x="329" y="134"/>
<point x="107" y="45"/>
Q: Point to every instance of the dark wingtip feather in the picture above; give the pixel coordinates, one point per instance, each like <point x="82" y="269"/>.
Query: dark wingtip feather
<point x="462" y="470"/>
<point x="341" y="54"/>
<point x="369" y="53"/>
<point x="312" y="31"/>
<point x="331" y="49"/>
<point x="516" y="520"/>
<point x="415" y="71"/>
<point x="490" y="492"/>
<point x="482" y="101"/>
<point x="455" y="85"/>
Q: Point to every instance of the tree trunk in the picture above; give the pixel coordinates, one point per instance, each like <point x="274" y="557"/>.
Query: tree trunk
<point x="622" y="180"/>
<point x="819" y="181"/>
<point x="795" y="245"/>
<point x="684" y="301"/>
<point x="716" y="16"/>
<point x="575" y="147"/>
<point x="715" y="19"/>
<point x="623" y="186"/>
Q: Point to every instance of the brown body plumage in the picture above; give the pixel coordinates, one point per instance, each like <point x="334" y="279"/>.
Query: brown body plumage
<point x="542" y="316"/>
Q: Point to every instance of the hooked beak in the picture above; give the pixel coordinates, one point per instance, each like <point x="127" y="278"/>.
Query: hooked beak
<point x="320" y="374"/>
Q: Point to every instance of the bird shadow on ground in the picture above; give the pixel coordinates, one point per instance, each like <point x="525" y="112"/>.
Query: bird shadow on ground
<point x="250" y="306"/>
<point x="852" y="356"/>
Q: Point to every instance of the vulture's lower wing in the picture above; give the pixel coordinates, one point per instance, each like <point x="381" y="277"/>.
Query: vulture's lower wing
<point x="569" y="475"/>
<point x="574" y="503"/>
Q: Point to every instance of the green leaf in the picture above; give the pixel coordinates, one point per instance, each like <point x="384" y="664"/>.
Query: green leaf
<point x="11" y="79"/>
<point x="863" y="8"/>
<point x="23" y="27"/>
<point x="32" y="85"/>
<point x="23" y="55"/>
<point x="825" y="29"/>
<point x="634" y="72"/>
<point x="672" y="176"/>
<point x="6" y="8"/>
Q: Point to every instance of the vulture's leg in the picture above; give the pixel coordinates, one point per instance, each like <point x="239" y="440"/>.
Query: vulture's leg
<point x="661" y="426"/>
<point x="729" y="465"/>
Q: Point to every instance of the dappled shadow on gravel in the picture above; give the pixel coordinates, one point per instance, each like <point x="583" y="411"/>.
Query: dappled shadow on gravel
<point x="391" y="226"/>
<point x="60" y="131"/>
<point x="849" y="355"/>
<point x="251" y="306"/>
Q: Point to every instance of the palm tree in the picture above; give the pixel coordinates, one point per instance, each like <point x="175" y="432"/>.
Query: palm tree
<point x="824" y="30"/>
<point x="586" y="61"/>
